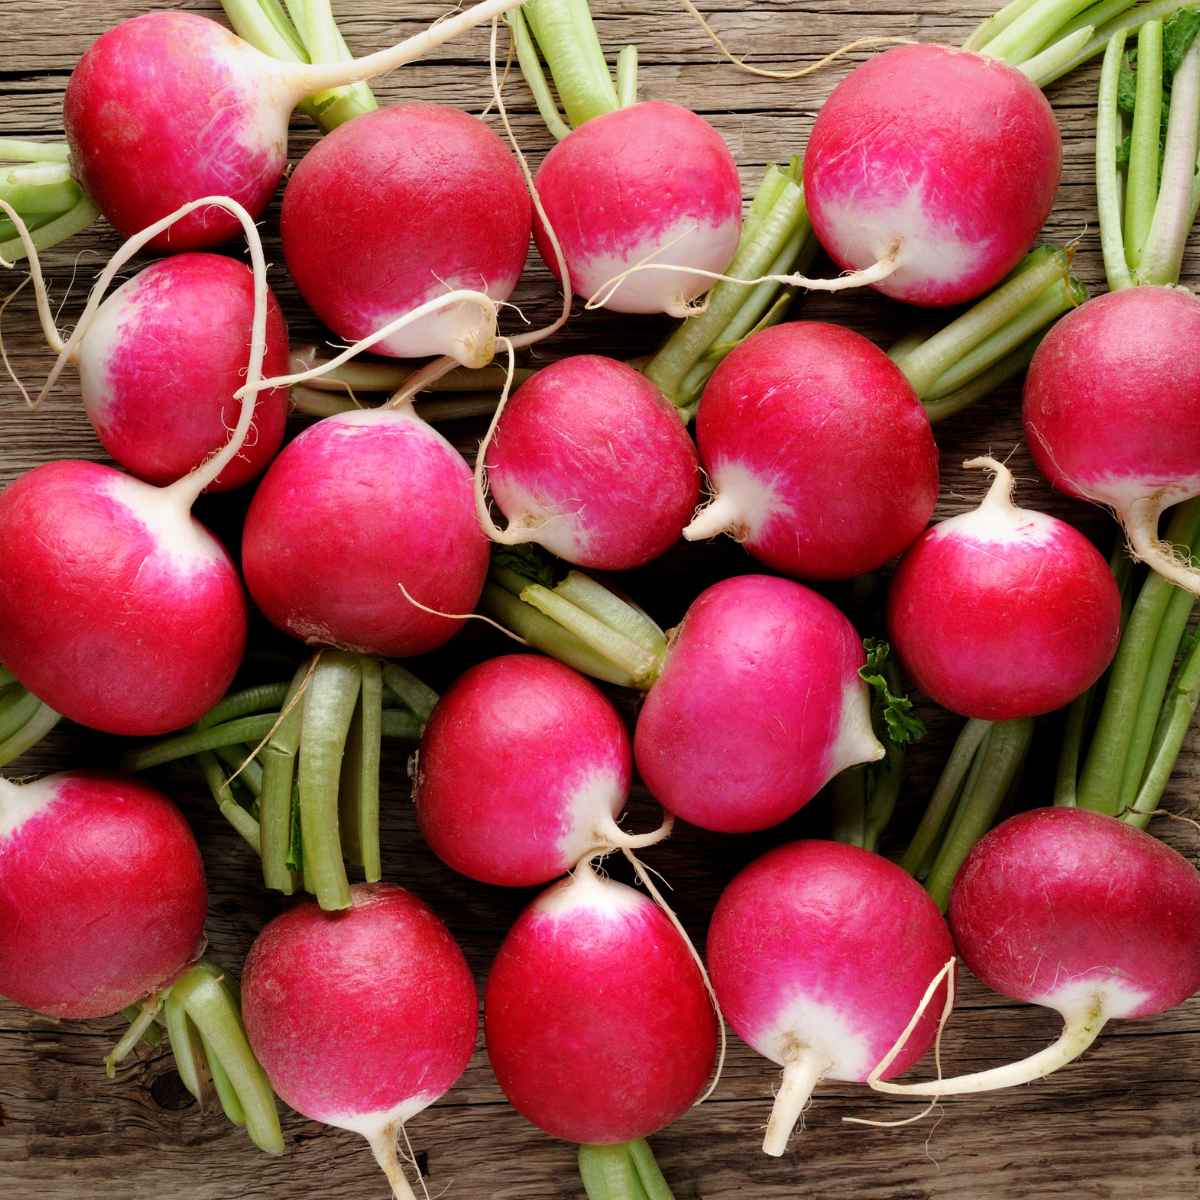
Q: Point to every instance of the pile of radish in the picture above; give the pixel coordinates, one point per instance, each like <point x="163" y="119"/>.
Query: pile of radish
<point x="271" y="663"/>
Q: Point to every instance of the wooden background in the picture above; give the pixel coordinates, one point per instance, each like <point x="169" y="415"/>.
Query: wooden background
<point x="1120" y="1124"/>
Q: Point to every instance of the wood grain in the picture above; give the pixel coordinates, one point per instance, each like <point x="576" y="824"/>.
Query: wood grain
<point x="1119" y="1125"/>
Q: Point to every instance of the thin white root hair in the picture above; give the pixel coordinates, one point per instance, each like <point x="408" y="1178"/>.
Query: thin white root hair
<point x="45" y="316"/>
<point x="435" y="612"/>
<point x="410" y="1156"/>
<point x="948" y="974"/>
<point x="645" y="879"/>
<point x="877" y="272"/>
<point x="8" y="367"/>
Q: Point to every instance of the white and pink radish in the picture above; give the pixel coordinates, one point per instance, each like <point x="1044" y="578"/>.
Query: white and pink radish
<point x="591" y="461"/>
<point x="940" y="164"/>
<point x="102" y="907"/>
<point x="1003" y="612"/>
<point x="364" y="1018"/>
<point x="523" y="770"/>
<point x="396" y="208"/>
<point x="819" y="953"/>
<point x="819" y="455"/>
<point x="1112" y="412"/>
<point x="168" y="107"/>
<point x="118" y="609"/>
<point x="1080" y="913"/>
<point x="598" y="1024"/>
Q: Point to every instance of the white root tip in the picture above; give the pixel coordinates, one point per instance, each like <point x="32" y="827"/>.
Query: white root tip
<point x="1141" y="527"/>
<point x="720" y="515"/>
<point x="383" y="1146"/>
<point x="1001" y="492"/>
<point x="801" y="1075"/>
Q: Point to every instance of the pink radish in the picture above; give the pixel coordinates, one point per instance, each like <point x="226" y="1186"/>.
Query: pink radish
<point x="362" y="515"/>
<point x="942" y="163"/>
<point x="757" y="705"/>
<point x="819" y="954"/>
<point x="169" y="107"/>
<point x="523" y="770"/>
<point x="1077" y="912"/>
<point x="597" y="1021"/>
<point x="821" y="459"/>
<point x="1112" y="412"/>
<point x="397" y="207"/>
<point x="78" y="537"/>
<point x="102" y="894"/>
<point x="590" y="460"/>
<point x="362" y="1019"/>
<point x="1003" y="612"/>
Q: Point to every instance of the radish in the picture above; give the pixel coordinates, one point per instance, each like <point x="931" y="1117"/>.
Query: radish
<point x="492" y="800"/>
<point x="77" y="534"/>
<point x="1002" y="612"/>
<point x="1076" y="912"/>
<point x="598" y="1025"/>
<point x="146" y="139"/>
<point x="820" y="458"/>
<point x="363" y="1019"/>
<point x="102" y="905"/>
<point x="755" y="704"/>
<point x="396" y="208"/>
<point x="628" y="182"/>
<point x="940" y="163"/>
<point x="589" y="460"/>
<point x="780" y="947"/>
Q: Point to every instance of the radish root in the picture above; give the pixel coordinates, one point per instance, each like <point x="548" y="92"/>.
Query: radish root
<point x="1141" y="527"/>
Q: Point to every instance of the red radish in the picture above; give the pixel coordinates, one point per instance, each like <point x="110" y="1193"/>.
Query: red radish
<point x="649" y="182"/>
<point x="168" y="107"/>
<point x="819" y="953"/>
<point x="396" y="208"/>
<point x="939" y="161"/>
<point x="364" y="1018"/>
<point x="591" y="461"/>
<point x="821" y="458"/>
<point x="1078" y="912"/>
<point x="1112" y="412"/>
<point x="102" y="894"/>
<point x="361" y="508"/>
<point x="523" y="770"/>
<point x="118" y="609"/>
<point x="757" y="706"/>
<point x="1003" y="612"/>
<point x="597" y="1021"/>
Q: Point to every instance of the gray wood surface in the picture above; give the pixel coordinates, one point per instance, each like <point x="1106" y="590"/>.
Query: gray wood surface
<point x="1121" y="1124"/>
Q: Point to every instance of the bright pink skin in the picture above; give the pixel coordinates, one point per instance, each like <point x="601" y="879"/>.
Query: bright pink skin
<point x="758" y="705"/>
<point x="358" y="1014"/>
<point x="117" y="608"/>
<point x="830" y="947"/>
<point x="169" y="107"/>
<point x="161" y="361"/>
<point x="357" y="505"/>
<point x="523" y="766"/>
<point x="397" y="207"/>
<point x="595" y="461"/>
<point x="820" y="449"/>
<point x="1112" y="398"/>
<point x="626" y="184"/>
<point x="1004" y="613"/>
<point x="596" y="1019"/>
<point x="102" y="894"/>
<point x="954" y="155"/>
<point x="1061" y="905"/>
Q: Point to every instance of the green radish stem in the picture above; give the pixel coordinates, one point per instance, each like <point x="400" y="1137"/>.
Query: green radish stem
<point x="1108" y="177"/>
<point x="359" y="798"/>
<point x="626" y="1171"/>
<point x="185" y="745"/>
<point x="1141" y="176"/>
<point x="278" y="799"/>
<point x="244" y="703"/>
<point x="409" y="690"/>
<point x="222" y="793"/>
<point x="1029" y="32"/>
<point x="35" y="178"/>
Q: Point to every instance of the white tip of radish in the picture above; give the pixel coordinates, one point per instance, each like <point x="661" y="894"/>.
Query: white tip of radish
<point x="741" y="506"/>
<point x="165" y="514"/>
<point x="21" y="804"/>
<point x="584" y="889"/>
<point x="1076" y="998"/>
<point x="856" y="741"/>
<point x="590" y="807"/>
<point x="531" y="518"/>
<point x="998" y="519"/>
<point x="373" y="1124"/>
<point x="806" y="1025"/>
<point x="1141" y="527"/>
<point x="464" y="331"/>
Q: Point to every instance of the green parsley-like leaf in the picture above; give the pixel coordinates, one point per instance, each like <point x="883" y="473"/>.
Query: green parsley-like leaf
<point x="1178" y="35"/>
<point x="901" y="725"/>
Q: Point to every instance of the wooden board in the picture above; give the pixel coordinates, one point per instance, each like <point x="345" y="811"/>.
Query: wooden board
<point x="1120" y="1124"/>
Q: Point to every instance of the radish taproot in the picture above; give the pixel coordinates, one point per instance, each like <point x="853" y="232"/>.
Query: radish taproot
<point x="145" y="138"/>
<point x="491" y="800"/>
<point x="782" y="934"/>
<point x="594" y="983"/>
<point x="361" y="1019"/>
<point x="106" y="855"/>
<point x="1077" y="912"/>
<point x="1003" y="612"/>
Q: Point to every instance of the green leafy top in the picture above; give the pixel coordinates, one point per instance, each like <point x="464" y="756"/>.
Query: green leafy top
<point x="900" y="724"/>
<point x="530" y="564"/>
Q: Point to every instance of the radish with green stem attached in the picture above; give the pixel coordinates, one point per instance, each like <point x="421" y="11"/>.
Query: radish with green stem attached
<point x="105" y="855"/>
<point x="361" y="1019"/>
